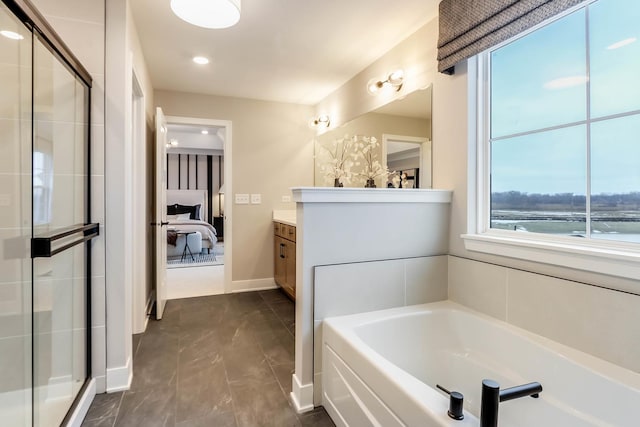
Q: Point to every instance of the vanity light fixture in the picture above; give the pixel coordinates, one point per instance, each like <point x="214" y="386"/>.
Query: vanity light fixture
<point x="322" y="121"/>
<point x="11" y="35"/>
<point x="200" y="60"/>
<point x="394" y="80"/>
<point x="208" y="13"/>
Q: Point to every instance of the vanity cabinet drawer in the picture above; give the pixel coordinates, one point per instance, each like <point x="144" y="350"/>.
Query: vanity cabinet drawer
<point x="285" y="231"/>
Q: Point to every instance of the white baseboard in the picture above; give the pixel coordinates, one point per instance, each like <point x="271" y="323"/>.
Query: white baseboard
<point x="253" y="285"/>
<point x="83" y="405"/>
<point x="101" y="384"/>
<point x="147" y="310"/>
<point x="119" y="379"/>
<point x="301" y="395"/>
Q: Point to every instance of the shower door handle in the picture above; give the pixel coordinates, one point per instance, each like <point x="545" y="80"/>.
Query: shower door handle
<point x="41" y="247"/>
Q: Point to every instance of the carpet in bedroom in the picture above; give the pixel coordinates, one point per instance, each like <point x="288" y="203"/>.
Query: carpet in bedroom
<point x="199" y="259"/>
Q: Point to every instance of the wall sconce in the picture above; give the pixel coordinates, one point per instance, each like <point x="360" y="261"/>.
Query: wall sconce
<point x="394" y="80"/>
<point x="321" y="121"/>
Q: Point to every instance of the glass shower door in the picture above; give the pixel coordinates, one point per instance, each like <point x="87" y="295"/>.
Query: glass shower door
<point x="15" y="221"/>
<point x="60" y="212"/>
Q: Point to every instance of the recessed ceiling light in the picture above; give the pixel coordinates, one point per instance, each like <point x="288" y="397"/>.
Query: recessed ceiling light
<point x="208" y="13"/>
<point x="621" y="43"/>
<point x="201" y="60"/>
<point x="11" y="35"/>
<point x="205" y="132"/>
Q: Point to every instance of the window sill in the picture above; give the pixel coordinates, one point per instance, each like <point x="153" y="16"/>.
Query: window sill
<point x="602" y="259"/>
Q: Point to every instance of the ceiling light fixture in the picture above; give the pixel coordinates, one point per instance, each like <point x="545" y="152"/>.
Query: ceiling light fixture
<point x="172" y="143"/>
<point x="11" y="35"/>
<point x="204" y="132"/>
<point x="208" y="13"/>
<point x="394" y="80"/>
<point x="321" y="121"/>
<point x="200" y="60"/>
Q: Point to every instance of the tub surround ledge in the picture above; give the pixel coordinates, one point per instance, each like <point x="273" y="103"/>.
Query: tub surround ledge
<point x="369" y="195"/>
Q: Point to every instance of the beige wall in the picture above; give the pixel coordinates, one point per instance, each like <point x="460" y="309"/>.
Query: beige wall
<point x="371" y="124"/>
<point x="415" y="56"/>
<point x="272" y="151"/>
<point x="454" y="168"/>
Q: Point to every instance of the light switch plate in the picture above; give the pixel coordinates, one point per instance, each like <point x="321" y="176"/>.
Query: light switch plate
<point x="256" y="199"/>
<point x="242" y="199"/>
<point x="286" y="199"/>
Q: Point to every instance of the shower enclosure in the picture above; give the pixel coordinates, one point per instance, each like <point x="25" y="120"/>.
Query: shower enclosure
<point x="45" y="224"/>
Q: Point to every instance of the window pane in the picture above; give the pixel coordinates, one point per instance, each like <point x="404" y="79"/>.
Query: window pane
<point x="614" y="37"/>
<point x="615" y="179"/>
<point x="539" y="80"/>
<point x="538" y="182"/>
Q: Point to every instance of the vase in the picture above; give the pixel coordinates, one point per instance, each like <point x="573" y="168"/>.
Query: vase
<point x="337" y="183"/>
<point x="370" y="183"/>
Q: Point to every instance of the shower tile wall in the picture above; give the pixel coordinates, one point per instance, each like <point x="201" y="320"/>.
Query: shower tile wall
<point x="59" y="200"/>
<point x="15" y="223"/>
<point x="81" y="25"/>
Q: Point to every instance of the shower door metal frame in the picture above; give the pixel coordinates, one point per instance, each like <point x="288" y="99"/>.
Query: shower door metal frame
<point x="26" y="12"/>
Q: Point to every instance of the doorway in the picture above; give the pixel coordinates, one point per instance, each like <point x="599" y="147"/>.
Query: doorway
<point x="199" y="229"/>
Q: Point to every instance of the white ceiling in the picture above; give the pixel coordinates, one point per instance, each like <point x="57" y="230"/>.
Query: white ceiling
<point x="296" y="51"/>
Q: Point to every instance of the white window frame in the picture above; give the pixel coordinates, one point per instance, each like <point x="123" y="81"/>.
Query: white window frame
<point x="612" y="258"/>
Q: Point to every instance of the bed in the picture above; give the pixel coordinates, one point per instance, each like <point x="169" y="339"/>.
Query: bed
<point x="186" y="210"/>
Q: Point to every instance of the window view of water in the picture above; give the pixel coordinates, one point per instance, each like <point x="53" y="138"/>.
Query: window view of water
<point x="564" y="125"/>
<point x="613" y="216"/>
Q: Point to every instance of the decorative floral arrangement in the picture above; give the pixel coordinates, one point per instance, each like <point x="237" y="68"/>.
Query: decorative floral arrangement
<point x="398" y="178"/>
<point x="366" y="148"/>
<point x="342" y="156"/>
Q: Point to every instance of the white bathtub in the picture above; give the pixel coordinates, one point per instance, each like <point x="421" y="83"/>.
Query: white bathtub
<point x="381" y="368"/>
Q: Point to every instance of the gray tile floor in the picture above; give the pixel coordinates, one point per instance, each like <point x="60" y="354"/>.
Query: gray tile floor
<point x="218" y="361"/>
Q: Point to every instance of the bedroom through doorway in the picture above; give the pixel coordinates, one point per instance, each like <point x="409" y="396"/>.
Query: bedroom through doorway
<point x="198" y="230"/>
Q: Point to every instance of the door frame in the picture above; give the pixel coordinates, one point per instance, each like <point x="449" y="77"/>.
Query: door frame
<point x="228" y="205"/>
<point x="425" y="146"/>
<point x="139" y="205"/>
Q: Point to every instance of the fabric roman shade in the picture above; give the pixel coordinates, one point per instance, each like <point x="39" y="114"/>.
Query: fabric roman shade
<point x="468" y="27"/>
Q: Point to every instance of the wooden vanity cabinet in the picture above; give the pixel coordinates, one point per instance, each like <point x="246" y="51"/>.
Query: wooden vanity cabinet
<point x="285" y="257"/>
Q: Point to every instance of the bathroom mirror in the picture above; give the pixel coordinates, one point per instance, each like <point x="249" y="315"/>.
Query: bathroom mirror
<point x="402" y="130"/>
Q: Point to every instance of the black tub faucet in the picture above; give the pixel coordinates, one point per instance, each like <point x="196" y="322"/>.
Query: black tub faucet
<point x="456" y="402"/>
<point x="492" y="396"/>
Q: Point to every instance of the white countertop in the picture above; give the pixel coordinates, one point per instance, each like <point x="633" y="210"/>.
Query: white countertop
<point x="369" y="195"/>
<point x="285" y="216"/>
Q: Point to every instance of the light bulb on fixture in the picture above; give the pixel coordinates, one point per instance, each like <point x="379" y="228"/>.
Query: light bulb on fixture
<point x="204" y="132"/>
<point x="321" y="121"/>
<point x="208" y="13"/>
<point x="393" y="80"/>
<point x="200" y="60"/>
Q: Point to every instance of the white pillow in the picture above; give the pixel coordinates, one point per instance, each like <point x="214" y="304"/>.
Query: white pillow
<point x="179" y="217"/>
